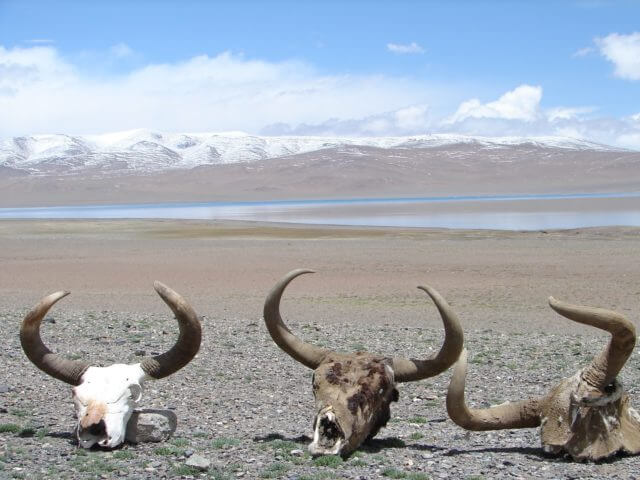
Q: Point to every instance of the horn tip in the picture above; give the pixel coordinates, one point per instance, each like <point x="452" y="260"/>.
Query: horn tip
<point x="159" y="286"/>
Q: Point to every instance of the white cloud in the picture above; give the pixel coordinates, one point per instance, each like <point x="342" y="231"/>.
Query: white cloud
<point x="399" y="48"/>
<point x="45" y="92"/>
<point x="40" y="41"/>
<point x="624" y="52"/>
<point x="583" y="52"/>
<point x="121" y="50"/>
<point x="566" y="113"/>
<point x="522" y="103"/>
<point x="411" y="120"/>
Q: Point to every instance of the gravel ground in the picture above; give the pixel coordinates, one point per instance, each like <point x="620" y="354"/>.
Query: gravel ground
<point x="247" y="406"/>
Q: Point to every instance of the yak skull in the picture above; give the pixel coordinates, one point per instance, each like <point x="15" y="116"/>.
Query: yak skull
<point x="353" y="392"/>
<point x="587" y="416"/>
<point x="104" y="397"/>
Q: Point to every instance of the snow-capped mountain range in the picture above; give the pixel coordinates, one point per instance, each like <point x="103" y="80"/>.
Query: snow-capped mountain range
<point x="144" y="151"/>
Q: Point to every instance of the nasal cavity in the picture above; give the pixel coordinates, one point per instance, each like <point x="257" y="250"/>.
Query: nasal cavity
<point x="97" y="429"/>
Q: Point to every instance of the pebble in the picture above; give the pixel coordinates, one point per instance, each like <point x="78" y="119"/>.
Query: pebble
<point x="199" y="462"/>
<point x="151" y="425"/>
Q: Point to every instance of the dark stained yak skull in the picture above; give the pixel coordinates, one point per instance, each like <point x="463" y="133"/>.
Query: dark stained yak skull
<point x="353" y="392"/>
<point x="104" y="397"/>
<point x="587" y="416"/>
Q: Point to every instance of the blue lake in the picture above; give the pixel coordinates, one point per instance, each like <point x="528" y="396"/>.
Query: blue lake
<point x="506" y="212"/>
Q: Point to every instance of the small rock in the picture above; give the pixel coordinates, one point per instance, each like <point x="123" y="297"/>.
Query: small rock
<point x="199" y="462"/>
<point x="139" y="353"/>
<point x="151" y="425"/>
<point x="50" y="320"/>
<point x="5" y="388"/>
<point x="188" y="453"/>
<point x="297" y="452"/>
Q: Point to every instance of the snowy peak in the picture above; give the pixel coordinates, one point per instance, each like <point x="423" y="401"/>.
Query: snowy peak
<point x="148" y="151"/>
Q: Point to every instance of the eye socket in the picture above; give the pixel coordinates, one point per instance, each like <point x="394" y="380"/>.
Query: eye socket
<point x="135" y="391"/>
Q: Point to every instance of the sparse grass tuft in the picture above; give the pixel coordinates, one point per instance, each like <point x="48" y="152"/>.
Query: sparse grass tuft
<point x="123" y="455"/>
<point x="184" y="471"/>
<point x="418" y="420"/>
<point x="179" y="442"/>
<point x="332" y="461"/>
<point x="391" y="472"/>
<point x="416" y="436"/>
<point x="395" y="473"/>
<point x="275" y="470"/>
<point x="167" y="450"/>
<point x="317" y="476"/>
<point x="223" y="442"/>
<point x="9" y="428"/>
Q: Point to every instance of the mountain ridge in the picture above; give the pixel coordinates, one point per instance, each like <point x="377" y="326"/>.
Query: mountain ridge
<point x="147" y="151"/>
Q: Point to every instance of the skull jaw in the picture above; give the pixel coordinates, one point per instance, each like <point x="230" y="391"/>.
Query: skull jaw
<point x="108" y="433"/>
<point x="328" y="436"/>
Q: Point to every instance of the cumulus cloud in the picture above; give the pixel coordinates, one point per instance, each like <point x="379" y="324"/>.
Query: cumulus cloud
<point x="46" y="92"/>
<point x="399" y="48"/>
<point x="411" y="120"/>
<point x="522" y="103"/>
<point x="624" y="52"/>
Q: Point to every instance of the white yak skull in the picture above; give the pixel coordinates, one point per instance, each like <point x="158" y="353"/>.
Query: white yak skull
<point x="104" y="397"/>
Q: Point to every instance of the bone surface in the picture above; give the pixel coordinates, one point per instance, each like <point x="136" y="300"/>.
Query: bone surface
<point x="587" y="416"/>
<point x="353" y="392"/>
<point x="104" y="397"/>
<point x="362" y="298"/>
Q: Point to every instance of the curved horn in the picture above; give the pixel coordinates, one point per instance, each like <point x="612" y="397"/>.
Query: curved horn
<point x="305" y="353"/>
<point x="188" y="342"/>
<point x="605" y="367"/>
<point x="408" y="370"/>
<point x="523" y="414"/>
<point x="69" y="371"/>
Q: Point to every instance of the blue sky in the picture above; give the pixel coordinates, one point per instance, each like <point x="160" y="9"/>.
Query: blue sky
<point x="332" y="68"/>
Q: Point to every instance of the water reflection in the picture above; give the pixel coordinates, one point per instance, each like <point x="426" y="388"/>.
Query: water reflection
<point x="532" y="212"/>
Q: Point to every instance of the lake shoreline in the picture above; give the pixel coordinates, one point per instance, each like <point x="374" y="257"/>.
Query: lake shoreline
<point x="497" y="212"/>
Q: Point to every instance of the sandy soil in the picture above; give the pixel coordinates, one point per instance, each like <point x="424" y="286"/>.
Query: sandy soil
<point x="499" y="279"/>
<point x="243" y="403"/>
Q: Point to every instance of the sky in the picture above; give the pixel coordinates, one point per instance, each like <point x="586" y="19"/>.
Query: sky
<point x="491" y="68"/>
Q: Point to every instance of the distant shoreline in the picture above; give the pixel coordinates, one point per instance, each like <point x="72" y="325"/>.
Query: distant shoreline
<point x="490" y="212"/>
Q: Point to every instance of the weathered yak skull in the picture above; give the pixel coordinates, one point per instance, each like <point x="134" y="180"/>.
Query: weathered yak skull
<point x="104" y="397"/>
<point x="587" y="415"/>
<point x="353" y="392"/>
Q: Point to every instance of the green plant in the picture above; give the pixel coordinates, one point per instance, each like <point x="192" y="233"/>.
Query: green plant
<point x="19" y="413"/>
<point x="223" y="442"/>
<point x="167" y="450"/>
<point x="9" y="428"/>
<point x="317" y="476"/>
<point x="275" y="470"/>
<point x="184" y="471"/>
<point x="179" y="442"/>
<point x="332" y="461"/>
<point x="391" y="472"/>
<point x="418" y="420"/>
<point x="416" y="436"/>
<point x="123" y="455"/>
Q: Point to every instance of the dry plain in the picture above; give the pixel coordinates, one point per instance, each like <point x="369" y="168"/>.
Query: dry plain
<point x="244" y="404"/>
